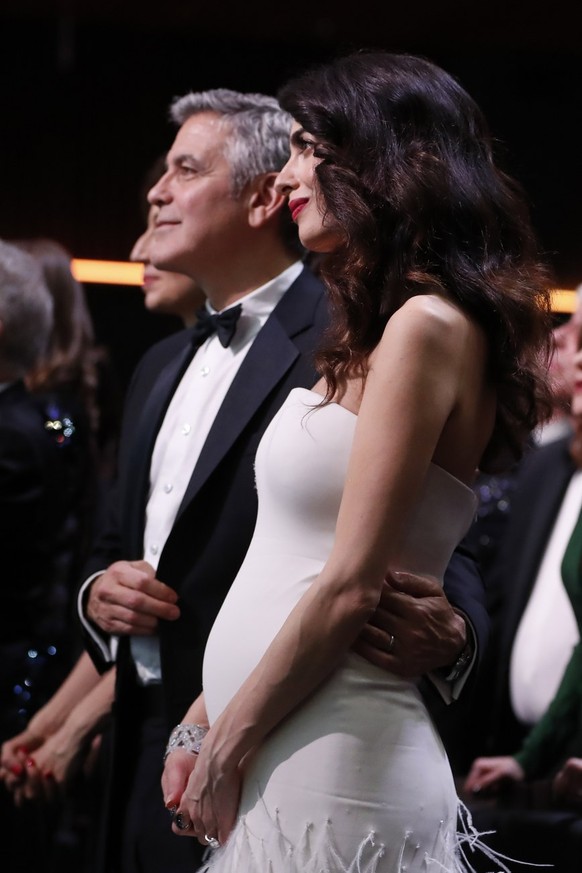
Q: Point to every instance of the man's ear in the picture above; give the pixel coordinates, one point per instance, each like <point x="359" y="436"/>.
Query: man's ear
<point x="264" y="201"/>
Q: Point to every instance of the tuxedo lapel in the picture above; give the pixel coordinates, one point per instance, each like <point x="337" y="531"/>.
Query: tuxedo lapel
<point x="142" y="445"/>
<point x="271" y="355"/>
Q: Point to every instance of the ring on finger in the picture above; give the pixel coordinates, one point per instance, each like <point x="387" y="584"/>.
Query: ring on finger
<point x="390" y="643"/>
<point x="182" y="823"/>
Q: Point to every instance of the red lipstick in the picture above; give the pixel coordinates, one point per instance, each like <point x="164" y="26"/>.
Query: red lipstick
<point x="297" y="205"/>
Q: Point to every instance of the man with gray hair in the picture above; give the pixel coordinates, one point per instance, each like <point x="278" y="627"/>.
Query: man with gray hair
<point x="196" y="410"/>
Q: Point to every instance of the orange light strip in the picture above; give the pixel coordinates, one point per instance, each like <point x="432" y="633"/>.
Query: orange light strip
<point x="564" y="301"/>
<point x="107" y="272"/>
<point x="127" y="273"/>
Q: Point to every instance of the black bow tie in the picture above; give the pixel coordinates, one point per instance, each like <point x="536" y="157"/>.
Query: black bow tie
<point x="221" y="323"/>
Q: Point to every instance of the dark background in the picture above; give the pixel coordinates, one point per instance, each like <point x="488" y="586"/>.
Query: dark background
<point x="86" y="86"/>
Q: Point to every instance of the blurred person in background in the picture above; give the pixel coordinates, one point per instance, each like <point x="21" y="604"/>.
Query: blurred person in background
<point x="495" y="491"/>
<point x="533" y="683"/>
<point x="71" y="385"/>
<point x="466" y="737"/>
<point x="41" y="763"/>
<point x="164" y="292"/>
<point x="75" y="373"/>
<point x="563" y="375"/>
<point x="34" y="509"/>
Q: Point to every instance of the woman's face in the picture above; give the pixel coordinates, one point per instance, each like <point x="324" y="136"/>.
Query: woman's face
<point x="297" y="181"/>
<point x="576" y="407"/>
<point x="170" y="293"/>
<point x="562" y="367"/>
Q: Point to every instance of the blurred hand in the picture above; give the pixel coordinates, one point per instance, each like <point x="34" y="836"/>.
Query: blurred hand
<point x="567" y="783"/>
<point x="128" y="599"/>
<point x="91" y="760"/>
<point x="55" y="764"/>
<point x="427" y="632"/>
<point x="487" y="775"/>
<point x="14" y="755"/>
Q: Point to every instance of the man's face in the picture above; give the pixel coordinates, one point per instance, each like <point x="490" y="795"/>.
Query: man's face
<point x="199" y="224"/>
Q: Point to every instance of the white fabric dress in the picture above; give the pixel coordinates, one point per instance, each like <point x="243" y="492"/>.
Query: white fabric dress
<point x="356" y="779"/>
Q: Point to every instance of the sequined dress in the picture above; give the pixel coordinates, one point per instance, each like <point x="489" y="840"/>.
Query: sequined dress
<point x="356" y="779"/>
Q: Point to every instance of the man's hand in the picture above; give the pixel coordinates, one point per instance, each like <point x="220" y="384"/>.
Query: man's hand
<point x="414" y="630"/>
<point x="128" y="599"/>
<point x="567" y="783"/>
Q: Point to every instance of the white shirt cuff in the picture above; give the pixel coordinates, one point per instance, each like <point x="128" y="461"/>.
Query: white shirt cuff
<point x="450" y="691"/>
<point x="106" y="643"/>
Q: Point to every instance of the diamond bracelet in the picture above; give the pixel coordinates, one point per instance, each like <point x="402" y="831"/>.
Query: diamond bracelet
<point x="187" y="737"/>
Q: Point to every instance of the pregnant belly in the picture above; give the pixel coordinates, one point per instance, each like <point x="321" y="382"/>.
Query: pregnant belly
<point x="266" y="589"/>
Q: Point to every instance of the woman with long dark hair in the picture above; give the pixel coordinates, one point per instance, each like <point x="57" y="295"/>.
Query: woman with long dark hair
<point x="434" y="367"/>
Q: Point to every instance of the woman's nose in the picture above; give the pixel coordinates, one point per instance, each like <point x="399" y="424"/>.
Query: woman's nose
<point x="285" y="183"/>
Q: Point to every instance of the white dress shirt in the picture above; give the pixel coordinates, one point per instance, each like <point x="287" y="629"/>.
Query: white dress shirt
<point x="182" y="435"/>
<point x="548" y="631"/>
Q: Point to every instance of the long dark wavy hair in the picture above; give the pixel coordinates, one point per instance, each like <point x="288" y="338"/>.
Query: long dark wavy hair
<point x="72" y="359"/>
<point x="407" y="172"/>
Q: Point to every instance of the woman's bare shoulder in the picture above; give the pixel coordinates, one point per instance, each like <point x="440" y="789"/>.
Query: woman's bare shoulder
<point x="432" y="323"/>
<point x="431" y="312"/>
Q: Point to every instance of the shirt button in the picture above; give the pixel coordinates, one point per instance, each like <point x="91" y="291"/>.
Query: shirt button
<point x="168" y="487"/>
<point x="204" y="371"/>
<point x="154" y="549"/>
<point x="186" y="428"/>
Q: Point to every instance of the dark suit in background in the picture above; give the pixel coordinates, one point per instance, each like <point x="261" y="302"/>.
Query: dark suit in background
<point x="527" y="825"/>
<point x="540" y="490"/>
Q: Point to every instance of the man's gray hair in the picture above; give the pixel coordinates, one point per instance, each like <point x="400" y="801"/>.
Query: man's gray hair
<point x="260" y="130"/>
<point x="26" y="312"/>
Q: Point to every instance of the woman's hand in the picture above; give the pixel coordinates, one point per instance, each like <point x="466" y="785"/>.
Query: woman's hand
<point x="14" y="756"/>
<point x="178" y="768"/>
<point x="55" y="764"/>
<point x="210" y="801"/>
<point x="488" y="774"/>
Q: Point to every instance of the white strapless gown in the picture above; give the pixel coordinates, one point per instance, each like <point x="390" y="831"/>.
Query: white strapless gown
<point x="356" y="779"/>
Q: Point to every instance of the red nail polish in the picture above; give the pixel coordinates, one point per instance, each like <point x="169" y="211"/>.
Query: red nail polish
<point x="21" y="750"/>
<point x="16" y="769"/>
<point x="30" y="762"/>
<point x="48" y="774"/>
